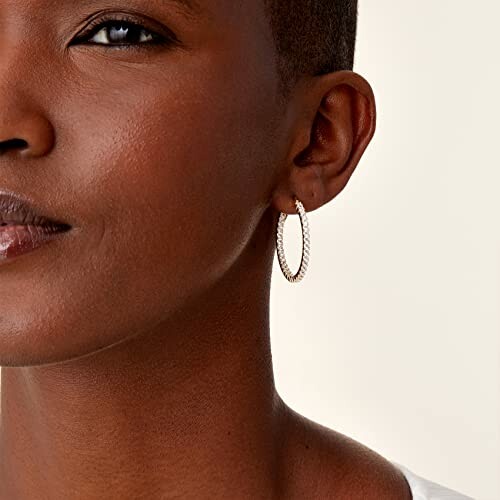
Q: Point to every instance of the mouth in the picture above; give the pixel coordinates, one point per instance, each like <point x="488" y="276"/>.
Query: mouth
<point x="18" y="211"/>
<point x="23" y="227"/>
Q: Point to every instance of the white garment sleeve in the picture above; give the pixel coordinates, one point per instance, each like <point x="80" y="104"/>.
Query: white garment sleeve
<point x="424" y="489"/>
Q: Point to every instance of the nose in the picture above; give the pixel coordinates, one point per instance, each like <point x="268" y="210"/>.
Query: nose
<point x="26" y="94"/>
<point x="17" y="144"/>
<point x="24" y="131"/>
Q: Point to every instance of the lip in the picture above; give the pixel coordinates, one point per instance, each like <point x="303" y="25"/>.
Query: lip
<point x="23" y="227"/>
<point x="19" y="210"/>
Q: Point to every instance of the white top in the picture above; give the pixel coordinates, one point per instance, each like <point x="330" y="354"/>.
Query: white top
<point x="424" y="489"/>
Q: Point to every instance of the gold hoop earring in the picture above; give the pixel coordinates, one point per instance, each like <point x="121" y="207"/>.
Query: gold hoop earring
<point x="306" y="244"/>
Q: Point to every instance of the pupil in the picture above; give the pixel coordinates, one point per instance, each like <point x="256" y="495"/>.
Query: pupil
<point x="119" y="35"/>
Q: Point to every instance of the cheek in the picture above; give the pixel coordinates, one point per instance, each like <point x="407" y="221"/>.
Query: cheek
<point x="169" y="184"/>
<point x="185" y="177"/>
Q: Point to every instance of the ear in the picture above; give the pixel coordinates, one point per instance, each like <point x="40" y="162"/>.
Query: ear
<point x="331" y="120"/>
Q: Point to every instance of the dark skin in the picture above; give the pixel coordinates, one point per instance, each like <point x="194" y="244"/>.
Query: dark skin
<point x="135" y="351"/>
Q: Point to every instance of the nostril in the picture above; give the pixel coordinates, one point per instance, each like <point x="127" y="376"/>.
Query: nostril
<point x="12" y="143"/>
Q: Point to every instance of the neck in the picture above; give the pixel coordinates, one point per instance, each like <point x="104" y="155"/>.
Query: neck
<point x="188" y="410"/>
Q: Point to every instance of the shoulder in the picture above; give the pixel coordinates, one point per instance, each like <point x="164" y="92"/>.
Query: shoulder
<point x="323" y="463"/>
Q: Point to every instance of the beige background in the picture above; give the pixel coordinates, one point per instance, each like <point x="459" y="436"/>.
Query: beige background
<point x="393" y="335"/>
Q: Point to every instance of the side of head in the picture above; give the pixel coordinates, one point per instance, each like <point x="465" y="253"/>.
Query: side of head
<point x="312" y="37"/>
<point x="335" y="109"/>
<point x="169" y="160"/>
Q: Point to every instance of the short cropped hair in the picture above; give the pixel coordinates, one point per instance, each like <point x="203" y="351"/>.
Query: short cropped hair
<point x="312" y="37"/>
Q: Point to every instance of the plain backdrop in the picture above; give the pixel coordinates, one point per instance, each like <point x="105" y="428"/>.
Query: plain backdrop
<point x="393" y="335"/>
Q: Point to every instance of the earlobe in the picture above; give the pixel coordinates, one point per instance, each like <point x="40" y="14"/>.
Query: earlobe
<point x="342" y="127"/>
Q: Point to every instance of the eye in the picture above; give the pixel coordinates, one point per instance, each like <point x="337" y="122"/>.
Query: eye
<point x="121" y="31"/>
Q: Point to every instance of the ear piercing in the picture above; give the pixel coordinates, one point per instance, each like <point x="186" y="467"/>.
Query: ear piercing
<point x="294" y="278"/>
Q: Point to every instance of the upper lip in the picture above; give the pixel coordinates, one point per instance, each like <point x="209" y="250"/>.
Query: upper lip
<point x="18" y="210"/>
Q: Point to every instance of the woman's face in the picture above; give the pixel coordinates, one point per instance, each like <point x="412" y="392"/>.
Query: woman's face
<point x="161" y="157"/>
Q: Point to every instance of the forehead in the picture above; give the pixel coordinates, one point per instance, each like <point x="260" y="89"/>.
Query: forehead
<point x="189" y="8"/>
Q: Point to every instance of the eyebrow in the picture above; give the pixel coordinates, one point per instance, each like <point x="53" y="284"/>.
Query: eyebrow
<point x="190" y="7"/>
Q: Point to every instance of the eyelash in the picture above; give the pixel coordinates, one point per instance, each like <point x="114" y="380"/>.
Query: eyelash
<point x="125" y="22"/>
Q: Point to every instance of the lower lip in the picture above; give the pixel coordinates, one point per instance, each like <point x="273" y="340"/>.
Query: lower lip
<point x="20" y="239"/>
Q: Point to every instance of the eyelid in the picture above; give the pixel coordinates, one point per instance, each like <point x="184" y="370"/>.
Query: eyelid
<point x="165" y="34"/>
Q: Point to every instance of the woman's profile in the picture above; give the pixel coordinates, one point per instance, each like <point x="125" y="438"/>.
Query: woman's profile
<point x="151" y="151"/>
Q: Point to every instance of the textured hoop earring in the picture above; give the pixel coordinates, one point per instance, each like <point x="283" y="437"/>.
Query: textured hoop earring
<point x="306" y="244"/>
